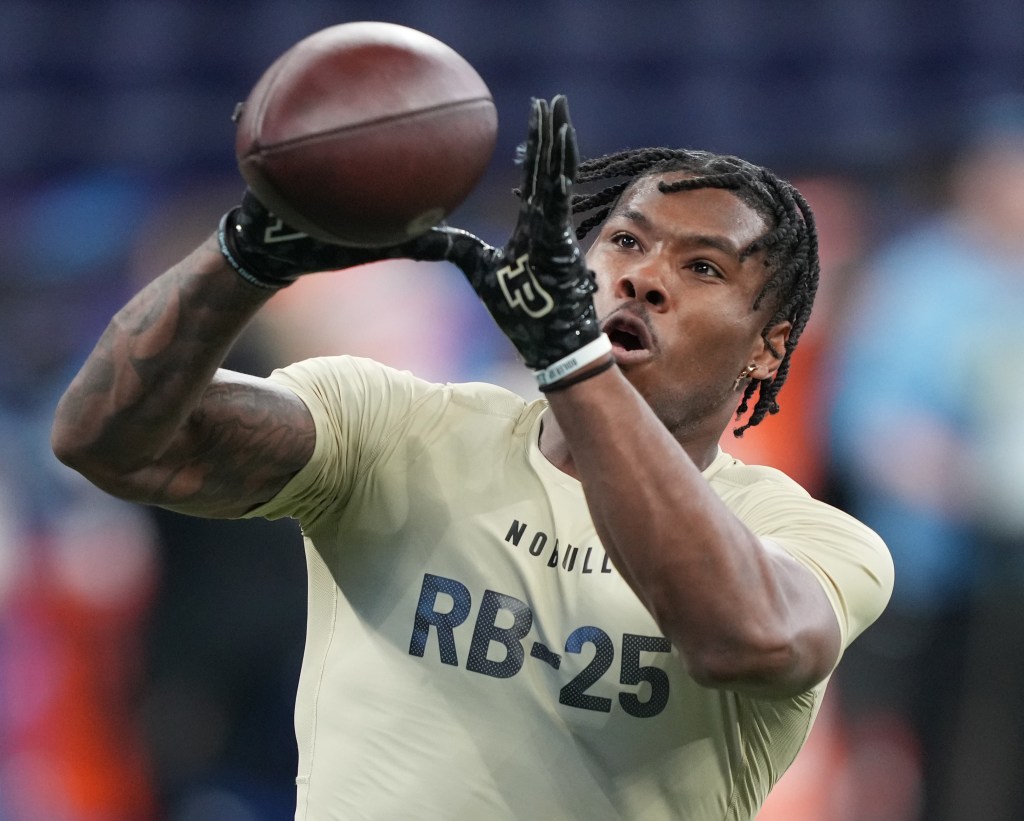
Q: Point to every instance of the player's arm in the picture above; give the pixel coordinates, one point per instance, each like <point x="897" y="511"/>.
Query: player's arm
<point x="151" y="417"/>
<point x="743" y="614"/>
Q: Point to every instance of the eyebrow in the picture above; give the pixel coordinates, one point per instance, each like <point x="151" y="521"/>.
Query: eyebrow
<point x="723" y="244"/>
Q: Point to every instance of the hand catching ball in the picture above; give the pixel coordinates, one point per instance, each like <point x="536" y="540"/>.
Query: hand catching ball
<point x="366" y="134"/>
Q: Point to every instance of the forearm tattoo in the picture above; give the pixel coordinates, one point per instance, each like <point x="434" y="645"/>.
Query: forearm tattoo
<point x="147" y="407"/>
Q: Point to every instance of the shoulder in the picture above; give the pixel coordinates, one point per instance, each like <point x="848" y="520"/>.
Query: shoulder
<point x="372" y="418"/>
<point x="850" y="560"/>
<point x="729" y="475"/>
<point x="770" y="502"/>
<point x="361" y="395"/>
<point x="354" y="374"/>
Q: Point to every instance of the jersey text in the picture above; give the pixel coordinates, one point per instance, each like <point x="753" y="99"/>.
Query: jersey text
<point x="498" y="647"/>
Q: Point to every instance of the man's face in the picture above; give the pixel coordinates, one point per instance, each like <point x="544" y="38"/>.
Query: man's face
<point x="676" y="299"/>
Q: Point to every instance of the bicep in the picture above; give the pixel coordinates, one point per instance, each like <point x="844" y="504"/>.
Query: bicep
<point x="813" y="624"/>
<point x="243" y="442"/>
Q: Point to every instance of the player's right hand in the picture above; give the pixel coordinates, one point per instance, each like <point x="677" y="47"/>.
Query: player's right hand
<point x="270" y="254"/>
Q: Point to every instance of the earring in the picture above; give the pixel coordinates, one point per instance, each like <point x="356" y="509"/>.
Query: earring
<point x="747" y="371"/>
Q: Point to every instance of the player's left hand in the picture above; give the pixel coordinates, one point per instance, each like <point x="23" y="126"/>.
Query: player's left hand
<point x="539" y="289"/>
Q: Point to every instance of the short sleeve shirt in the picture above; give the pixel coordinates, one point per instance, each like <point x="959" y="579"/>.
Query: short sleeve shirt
<point x="471" y="650"/>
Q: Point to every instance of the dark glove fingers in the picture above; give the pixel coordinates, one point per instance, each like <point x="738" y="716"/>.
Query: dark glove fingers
<point x="547" y="148"/>
<point x="552" y="224"/>
<point x="567" y="157"/>
<point x="553" y="182"/>
<point x="559" y="188"/>
<point x="537" y="150"/>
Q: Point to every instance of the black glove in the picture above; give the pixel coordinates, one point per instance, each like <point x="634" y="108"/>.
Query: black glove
<point x="539" y="289"/>
<point x="268" y="253"/>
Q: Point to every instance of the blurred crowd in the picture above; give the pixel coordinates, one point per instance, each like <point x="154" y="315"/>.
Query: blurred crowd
<point x="911" y="427"/>
<point x="148" y="661"/>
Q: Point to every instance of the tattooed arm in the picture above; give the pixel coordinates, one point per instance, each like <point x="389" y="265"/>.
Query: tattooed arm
<point x="151" y="417"/>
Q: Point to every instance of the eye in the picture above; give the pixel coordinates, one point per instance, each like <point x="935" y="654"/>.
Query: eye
<point x="624" y="240"/>
<point x="705" y="269"/>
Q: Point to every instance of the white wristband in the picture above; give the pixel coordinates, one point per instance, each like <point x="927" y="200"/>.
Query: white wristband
<point x="580" y="358"/>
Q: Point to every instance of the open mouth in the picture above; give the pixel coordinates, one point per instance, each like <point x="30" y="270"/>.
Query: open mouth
<point x="625" y="340"/>
<point x="628" y="333"/>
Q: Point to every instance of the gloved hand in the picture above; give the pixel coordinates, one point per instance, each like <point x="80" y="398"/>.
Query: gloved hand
<point x="268" y="253"/>
<point x="539" y="289"/>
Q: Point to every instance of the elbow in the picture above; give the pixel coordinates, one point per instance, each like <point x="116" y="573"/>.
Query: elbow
<point x="759" y="660"/>
<point x="66" y="449"/>
<point x="92" y="462"/>
<point x="736" y="665"/>
<point x="67" y="440"/>
<point x="100" y="474"/>
<point x="722" y="645"/>
<point x="80" y="460"/>
<point x="72" y="449"/>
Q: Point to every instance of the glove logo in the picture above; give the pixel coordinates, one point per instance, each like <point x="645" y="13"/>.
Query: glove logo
<point x="523" y="291"/>
<point x="278" y="231"/>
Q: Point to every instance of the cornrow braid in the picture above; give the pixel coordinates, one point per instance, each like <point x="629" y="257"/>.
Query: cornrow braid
<point x="790" y="245"/>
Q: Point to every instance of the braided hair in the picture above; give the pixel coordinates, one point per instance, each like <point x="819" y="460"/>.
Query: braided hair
<point x="790" y="244"/>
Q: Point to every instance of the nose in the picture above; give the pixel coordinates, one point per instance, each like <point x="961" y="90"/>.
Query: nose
<point x="642" y="282"/>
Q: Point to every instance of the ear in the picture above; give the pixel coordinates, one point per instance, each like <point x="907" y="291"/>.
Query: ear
<point x="762" y="354"/>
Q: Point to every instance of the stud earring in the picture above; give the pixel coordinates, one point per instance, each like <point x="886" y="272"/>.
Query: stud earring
<point x="747" y="371"/>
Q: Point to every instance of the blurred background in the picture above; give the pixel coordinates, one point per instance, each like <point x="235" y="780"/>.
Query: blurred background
<point x="148" y="661"/>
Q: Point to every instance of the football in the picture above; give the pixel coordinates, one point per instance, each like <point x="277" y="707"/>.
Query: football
<point x="366" y="133"/>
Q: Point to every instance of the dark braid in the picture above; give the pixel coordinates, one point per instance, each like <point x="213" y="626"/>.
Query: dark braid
<point x="790" y="244"/>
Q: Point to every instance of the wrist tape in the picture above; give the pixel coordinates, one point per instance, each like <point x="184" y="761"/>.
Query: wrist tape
<point x="231" y="256"/>
<point x="579" y="376"/>
<point x="578" y="359"/>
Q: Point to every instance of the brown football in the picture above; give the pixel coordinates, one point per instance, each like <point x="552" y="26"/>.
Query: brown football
<point x="366" y="133"/>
